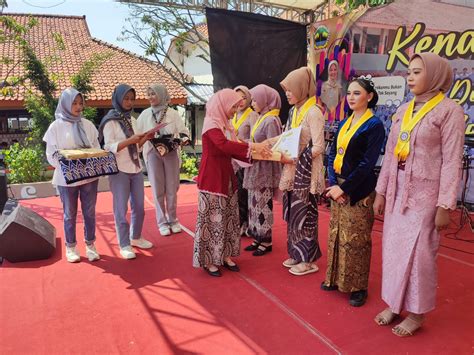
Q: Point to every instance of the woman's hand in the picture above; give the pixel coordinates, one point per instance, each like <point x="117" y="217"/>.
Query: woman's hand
<point x="337" y="194"/>
<point x="145" y="137"/>
<point x="441" y="219"/>
<point x="379" y="204"/>
<point x="149" y="136"/>
<point x="286" y="159"/>
<point x="261" y="149"/>
<point x="135" y="138"/>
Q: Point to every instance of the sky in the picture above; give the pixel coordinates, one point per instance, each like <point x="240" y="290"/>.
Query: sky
<point x="105" y="18"/>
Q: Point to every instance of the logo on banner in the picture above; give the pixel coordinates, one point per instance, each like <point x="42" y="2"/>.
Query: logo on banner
<point x="321" y="37"/>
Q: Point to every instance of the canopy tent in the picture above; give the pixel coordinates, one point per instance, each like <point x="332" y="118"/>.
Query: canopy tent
<point x="303" y="11"/>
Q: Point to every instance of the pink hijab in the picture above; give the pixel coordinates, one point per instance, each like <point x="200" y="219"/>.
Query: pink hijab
<point x="266" y="98"/>
<point x="245" y="90"/>
<point x="300" y="82"/>
<point x="439" y="75"/>
<point x="217" y="109"/>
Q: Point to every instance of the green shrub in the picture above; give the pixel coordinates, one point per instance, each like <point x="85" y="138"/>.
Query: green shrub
<point x="25" y="163"/>
<point x="189" y="165"/>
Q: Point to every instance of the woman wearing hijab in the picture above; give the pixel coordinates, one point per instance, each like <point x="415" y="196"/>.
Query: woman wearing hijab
<point x="242" y="123"/>
<point x="417" y="188"/>
<point x="72" y="131"/>
<point x="303" y="181"/>
<point x="118" y="131"/>
<point x="351" y="162"/>
<point x="331" y="90"/>
<point x="217" y="228"/>
<point x="263" y="177"/>
<point x="163" y="170"/>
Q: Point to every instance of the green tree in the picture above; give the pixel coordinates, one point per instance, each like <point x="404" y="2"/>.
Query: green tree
<point x="40" y="99"/>
<point x="355" y="4"/>
<point x="154" y="27"/>
<point x="82" y="81"/>
<point x="13" y="33"/>
<point x="40" y="84"/>
<point x="189" y="164"/>
<point x="42" y="102"/>
<point x="25" y="163"/>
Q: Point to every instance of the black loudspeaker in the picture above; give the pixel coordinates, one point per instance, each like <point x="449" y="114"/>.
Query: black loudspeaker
<point x="25" y="235"/>
<point x="3" y="190"/>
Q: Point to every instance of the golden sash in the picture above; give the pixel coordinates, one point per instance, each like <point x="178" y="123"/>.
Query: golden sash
<point x="345" y="135"/>
<point x="237" y="123"/>
<point x="297" y="119"/>
<point x="402" y="149"/>
<point x="274" y="112"/>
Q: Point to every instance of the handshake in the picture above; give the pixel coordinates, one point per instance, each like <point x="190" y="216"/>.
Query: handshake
<point x="264" y="151"/>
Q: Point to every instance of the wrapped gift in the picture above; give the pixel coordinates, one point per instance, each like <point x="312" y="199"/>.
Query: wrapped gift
<point x="81" y="164"/>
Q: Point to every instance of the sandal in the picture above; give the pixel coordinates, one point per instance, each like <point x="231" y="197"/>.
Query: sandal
<point x="303" y="269"/>
<point x="290" y="263"/>
<point x="408" y="326"/>
<point x="385" y="317"/>
<point x="262" y="250"/>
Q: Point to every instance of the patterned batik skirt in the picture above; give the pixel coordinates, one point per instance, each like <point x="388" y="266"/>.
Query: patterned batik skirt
<point x="300" y="211"/>
<point x="261" y="214"/>
<point x="217" y="229"/>
<point x="243" y="198"/>
<point x="350" y="245"/>
<point x="302" y="227"/>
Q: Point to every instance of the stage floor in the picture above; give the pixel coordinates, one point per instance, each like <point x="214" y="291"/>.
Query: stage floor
<point x="158" y="303"/>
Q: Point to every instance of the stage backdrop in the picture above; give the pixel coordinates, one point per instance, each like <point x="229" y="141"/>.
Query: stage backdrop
<point x="249" y="49"/>
<point x="375" y="43"/>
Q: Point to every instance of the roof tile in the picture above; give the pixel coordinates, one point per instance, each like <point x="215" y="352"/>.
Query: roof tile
<point x="122" y="66"/>
<point x="437" y="16"/>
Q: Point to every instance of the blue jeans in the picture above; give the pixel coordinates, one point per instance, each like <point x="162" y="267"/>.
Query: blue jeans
<point x="69" y="196"/>
<point x="126" y="186"/>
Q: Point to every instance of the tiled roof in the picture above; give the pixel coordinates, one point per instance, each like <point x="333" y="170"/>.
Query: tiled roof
<point x="122" y="66"/>
<point x="202" y="29"/>
<point x="437" y="16"/>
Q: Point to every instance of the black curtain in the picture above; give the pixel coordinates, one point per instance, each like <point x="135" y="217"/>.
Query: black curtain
<point x="249" y="49"/>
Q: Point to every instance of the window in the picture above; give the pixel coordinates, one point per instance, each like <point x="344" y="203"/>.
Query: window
<point x="372" y="44"/>
<point x="356" y="47"/>
<point x="19" y="124"/>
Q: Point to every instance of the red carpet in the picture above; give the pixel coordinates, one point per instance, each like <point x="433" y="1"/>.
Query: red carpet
<point x="158" y="303"/>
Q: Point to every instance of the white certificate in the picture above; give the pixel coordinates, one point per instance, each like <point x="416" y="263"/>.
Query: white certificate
<point x="289" y="143"/>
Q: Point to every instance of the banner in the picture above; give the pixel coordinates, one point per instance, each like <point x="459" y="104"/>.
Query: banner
<point x="374" y="42"/>
<point x="350" y="46"/>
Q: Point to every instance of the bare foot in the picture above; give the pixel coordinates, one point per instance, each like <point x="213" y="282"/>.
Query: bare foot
<point x="385" y="317"/>
<point x="409" y="325"/>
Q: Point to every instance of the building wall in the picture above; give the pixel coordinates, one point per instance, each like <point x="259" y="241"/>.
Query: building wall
<point x="190" y="63"/>
<point x="194" y="65"/>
